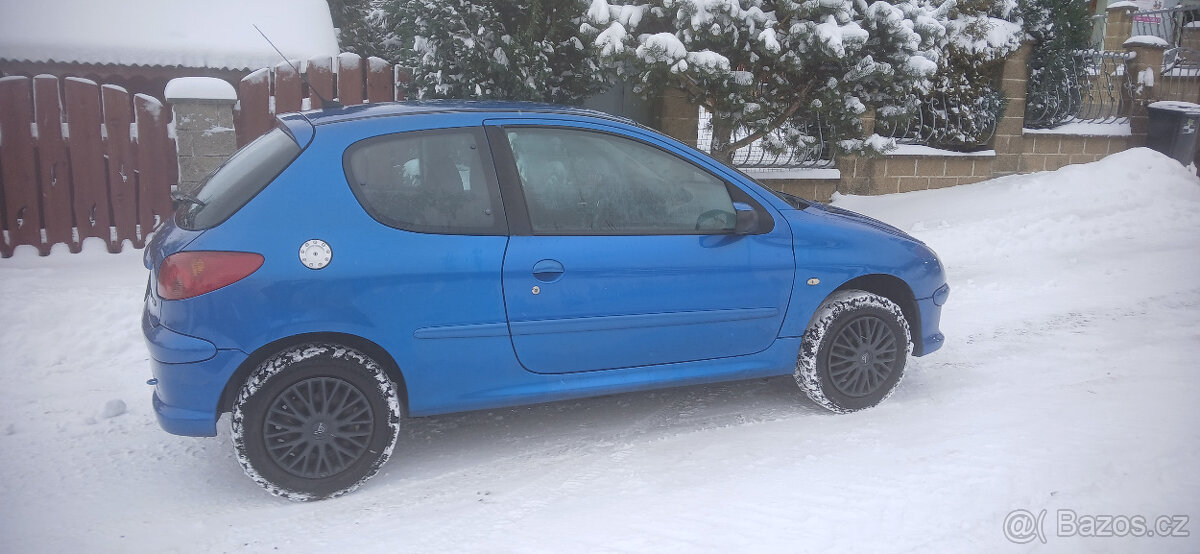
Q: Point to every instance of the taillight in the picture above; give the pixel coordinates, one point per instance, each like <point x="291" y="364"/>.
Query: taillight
<point x="188" y="274"/>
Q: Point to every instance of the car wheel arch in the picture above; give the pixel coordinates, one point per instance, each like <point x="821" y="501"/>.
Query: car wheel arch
<point x="233" y="385"/>
<point x="893" y="288"/>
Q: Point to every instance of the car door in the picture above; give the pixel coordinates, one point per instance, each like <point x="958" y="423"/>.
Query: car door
<point x="628" y="255"/>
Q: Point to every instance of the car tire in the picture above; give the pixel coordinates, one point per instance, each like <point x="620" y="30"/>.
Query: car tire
<point x="315" y="421"/>
<point x="853" y="354"/>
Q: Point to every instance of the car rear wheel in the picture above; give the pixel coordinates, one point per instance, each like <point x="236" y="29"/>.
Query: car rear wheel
<point x="854" y="352"/>
<point x="315" y="421"/>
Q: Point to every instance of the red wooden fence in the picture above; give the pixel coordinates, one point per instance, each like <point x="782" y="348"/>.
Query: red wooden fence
<point x="81" y="160"/>
<point x="277" y="90"/>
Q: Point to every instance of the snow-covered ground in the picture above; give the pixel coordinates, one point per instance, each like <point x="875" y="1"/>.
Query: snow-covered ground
<point x="1069" y="381"/>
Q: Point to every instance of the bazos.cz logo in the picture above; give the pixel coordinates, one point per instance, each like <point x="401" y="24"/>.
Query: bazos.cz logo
<point x="1024" y="526"/>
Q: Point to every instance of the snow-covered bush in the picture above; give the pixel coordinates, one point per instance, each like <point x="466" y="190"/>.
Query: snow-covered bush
<point x="965" y="103"/>
<point x="494" y="49"/>
<point x="358" y="26"/>
<point x="1059" y="28"/>
<point x="769" y="66"/>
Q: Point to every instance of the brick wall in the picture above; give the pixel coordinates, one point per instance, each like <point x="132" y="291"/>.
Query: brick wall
<point x="813" y="189"/>
<point x="204" y="126"/>
<point x="908" y="172"/>
<point x="677" y="117"/>
<point x="1009" y="140"/>
<point x="1048" y="151"/>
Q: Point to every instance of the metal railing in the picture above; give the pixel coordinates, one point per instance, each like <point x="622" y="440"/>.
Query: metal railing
<point x="1180" y="28"/>
<point x="1169" y="24"/>
<point x="813" y="151"/>
<point x="941" y="122"/>
<point x="1083" y="86"/>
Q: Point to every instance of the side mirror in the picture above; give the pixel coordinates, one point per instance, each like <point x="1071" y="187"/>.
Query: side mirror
<point x="747" y="219"/>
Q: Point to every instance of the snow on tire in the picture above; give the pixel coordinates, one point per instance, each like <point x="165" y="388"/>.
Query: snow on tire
<point x="315" y="421"/>
<point x="853" y="354"/>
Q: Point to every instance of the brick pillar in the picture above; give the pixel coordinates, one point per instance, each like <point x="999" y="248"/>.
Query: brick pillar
<point x="1118" y="28"/>
<point x="677" y="117"/>
<point x="204" y="133"/>
<point x="858" y="172"/>
<point x="1009" y="140"/>
<point x="1146" y="71"/>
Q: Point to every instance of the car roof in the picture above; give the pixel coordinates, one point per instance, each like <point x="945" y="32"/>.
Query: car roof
<point x="390" y="109"/>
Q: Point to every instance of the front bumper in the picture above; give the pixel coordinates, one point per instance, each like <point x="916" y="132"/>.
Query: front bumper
<point x="931" y="319"/>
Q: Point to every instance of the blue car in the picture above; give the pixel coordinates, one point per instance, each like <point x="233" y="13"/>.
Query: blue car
<point x="359" y="265"/>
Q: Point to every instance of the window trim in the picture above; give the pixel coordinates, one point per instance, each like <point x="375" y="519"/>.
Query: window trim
<point x="512" y="186"/>
<point x="500" y="222"/>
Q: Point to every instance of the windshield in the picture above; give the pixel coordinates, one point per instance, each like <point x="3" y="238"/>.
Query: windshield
<point x="238" y="180"/>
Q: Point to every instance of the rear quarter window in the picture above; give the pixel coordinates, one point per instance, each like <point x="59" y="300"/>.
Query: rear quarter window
<point x="239" y="179"/>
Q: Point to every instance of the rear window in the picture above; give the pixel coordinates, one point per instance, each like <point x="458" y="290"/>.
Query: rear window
<point x="241" y="177"/>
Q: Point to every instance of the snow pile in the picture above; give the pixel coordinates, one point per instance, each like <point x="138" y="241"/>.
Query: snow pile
<point x="1068" y="381"/>
<point x="213" y="33"/>
<point x="1146" y="40"/>
<point x="1175" y="105"/>
<point x="201" y="88"/>
<point x="1085" y="129"/>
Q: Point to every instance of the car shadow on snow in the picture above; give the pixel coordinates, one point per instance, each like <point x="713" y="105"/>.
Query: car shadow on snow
<point x="449" y="448"/>
<point x="445" y="445"/>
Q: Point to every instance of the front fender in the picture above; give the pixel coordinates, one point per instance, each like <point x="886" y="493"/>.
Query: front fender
<point x="832" y="250"/>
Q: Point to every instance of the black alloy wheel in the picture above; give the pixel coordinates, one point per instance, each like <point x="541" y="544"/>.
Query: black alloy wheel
<point x="318" y="427"/>
<point x="862" y="356"/>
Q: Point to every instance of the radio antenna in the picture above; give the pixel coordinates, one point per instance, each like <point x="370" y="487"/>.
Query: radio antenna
<point x="326" y="104"/>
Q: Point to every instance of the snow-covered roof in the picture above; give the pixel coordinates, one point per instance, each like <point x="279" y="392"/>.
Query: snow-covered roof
<point x="194" y="33"/>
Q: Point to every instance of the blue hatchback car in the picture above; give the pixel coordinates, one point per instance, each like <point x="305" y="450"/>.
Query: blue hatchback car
<point x="359" y="265"/>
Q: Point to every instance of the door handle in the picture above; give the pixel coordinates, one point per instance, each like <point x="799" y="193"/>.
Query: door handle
<point x="548" y="271"/>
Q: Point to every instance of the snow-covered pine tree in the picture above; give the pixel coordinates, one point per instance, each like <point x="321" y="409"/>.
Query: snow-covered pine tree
<point x="772" y="66"/>
<point x="965" y="102"/>
<point x="358" y="29"/>
<point x="1059" y="28"/>
<point x="494" y="49"/>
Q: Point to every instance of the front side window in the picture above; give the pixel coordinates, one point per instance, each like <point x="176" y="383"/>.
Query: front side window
<point x="584" y="182"/>
<point x="427" y="181"/>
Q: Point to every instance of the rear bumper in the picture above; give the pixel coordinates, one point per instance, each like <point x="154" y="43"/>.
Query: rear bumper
<point x="187" y="396"/>
<point x="190" y="375"/>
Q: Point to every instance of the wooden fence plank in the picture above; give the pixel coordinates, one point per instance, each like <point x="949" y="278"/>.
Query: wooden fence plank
<point x="287" y="89"/>
<point x="253" y="117"/>
<point x="320" y="79"/>
<point x="122" y="174"/>
<point x="88" y="173"/>
<point x="157" y="166"/>
<point x="54" y="167"/>
<point x="18" y="172"/>
<point x="350" y="79"/>
<point x="380" y="87"/>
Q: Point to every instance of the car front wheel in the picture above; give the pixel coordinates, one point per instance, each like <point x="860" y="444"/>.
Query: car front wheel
<point x="853" y="354"/>
<point x="315" y="421"/>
